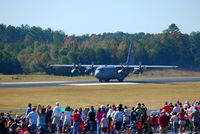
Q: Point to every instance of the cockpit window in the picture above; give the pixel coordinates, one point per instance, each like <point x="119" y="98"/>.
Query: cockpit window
<point x="101" y="69"/>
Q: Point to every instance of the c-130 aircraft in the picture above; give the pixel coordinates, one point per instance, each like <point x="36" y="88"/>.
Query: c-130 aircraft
<point x="109" y="72"/>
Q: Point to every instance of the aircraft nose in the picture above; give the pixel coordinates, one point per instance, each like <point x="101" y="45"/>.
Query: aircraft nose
<point x="97" y="73"/>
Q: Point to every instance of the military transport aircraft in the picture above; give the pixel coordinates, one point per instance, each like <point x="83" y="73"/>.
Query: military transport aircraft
<point x="109" y="72"/>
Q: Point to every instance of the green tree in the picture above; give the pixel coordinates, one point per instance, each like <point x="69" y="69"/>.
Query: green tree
<point x="172" y="29"/>
<point x="195" y="47"/>
<point x="103" y="56"/>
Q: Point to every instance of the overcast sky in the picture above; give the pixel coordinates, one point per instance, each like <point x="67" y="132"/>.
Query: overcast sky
<point x="98" y="16"/>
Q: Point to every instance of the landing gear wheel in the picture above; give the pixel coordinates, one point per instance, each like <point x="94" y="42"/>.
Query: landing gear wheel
<point x="107" y="80"/>
<point x="100" y="80"/>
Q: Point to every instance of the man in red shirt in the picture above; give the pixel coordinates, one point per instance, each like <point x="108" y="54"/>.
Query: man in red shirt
<point x="163" y="123"/>
<point x="166" y="107"/>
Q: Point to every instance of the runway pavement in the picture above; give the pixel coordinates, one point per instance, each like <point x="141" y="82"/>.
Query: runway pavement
<point x="92" y="83"/>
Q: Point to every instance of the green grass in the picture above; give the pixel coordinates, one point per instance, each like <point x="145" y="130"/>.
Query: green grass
<point x="39" y="77"/>
<point x="171" y="73"/>
<point x="153" y="95"/>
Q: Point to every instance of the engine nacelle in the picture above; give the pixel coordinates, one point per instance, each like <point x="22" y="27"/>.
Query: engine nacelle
<point x="138" y="70"/>
<point x="90" y="70"/>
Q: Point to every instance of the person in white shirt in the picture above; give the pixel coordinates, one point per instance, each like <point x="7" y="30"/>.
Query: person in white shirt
<point x="186" y="105"/>
<point x="127" y="114"/>
<point x="118" y="119"/>
<point x="110" y="110"/>
<point x="32" y="117"/>
<point x="174" y="120"/>
<point x="67" y="119"/>
<point x="176" y="108"/>
<point x="56" y="116"/>
<point x="113" y="113"/>
<point x="104" y="124"/>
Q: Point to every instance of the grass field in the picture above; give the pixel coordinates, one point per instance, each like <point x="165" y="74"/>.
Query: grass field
<point x="35" y="77"/>
<point x="153" y="95"/>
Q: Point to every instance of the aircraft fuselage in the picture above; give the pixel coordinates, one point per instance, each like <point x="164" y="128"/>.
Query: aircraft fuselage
<point x="106" y="73"/>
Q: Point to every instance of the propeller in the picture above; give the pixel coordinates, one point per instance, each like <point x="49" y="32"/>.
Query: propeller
<point x="121" y="70"/>
<point x="140" y="69"/>
<point x="90" y="69"/>
<point x="76" y="68"/>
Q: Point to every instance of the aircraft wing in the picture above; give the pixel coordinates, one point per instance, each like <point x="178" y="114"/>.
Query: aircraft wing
<point x="72" y="65"/>
<point x="117" y="66"/>
<point x="152" y="66"/>
<point x="61" y="65"/>
<point x="137" y="69"/>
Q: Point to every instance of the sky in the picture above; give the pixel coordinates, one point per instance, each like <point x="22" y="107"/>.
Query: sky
<point x="79" y="17"/>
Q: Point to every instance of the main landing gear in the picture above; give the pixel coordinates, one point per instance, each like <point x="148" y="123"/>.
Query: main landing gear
<point x="120" y="80"/>
<point x="107" y="80"/>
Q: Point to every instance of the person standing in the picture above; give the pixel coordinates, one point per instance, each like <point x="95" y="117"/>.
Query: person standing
<point x="127" y="114"/>
<point x="91" y="119"/>
<point x="163" y="123"/>
<point x="43" y="120"/>
<point x="176" y="108"/>
<point x="56" y="116"/>
<point x="99" y="116"/>
<point x="182" y="120"/>
<point x="38" y="110"/>
<point x="48" y="118"/>
<point x="174" y="120"/>
<point x="110" y="110"/>
<point x="29" y="108"/>
<point x="166" y="107"/>
<point x="76" y="122"/>
<point x="67" y="119"/>
<point x="118" y="119"/>
<point x="104" y="124"/>
<point x="3" y="123"/>
<point x="32" y="117"/>
<point x="195" y="119"/>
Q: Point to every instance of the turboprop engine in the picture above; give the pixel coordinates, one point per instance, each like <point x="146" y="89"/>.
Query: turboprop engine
<point x="76" y="69"/>
<point x="90" y="70"/>
<point x="139" y="70"/>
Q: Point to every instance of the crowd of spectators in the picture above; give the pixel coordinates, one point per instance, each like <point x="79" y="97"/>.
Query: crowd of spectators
<point x="110" y="119"/>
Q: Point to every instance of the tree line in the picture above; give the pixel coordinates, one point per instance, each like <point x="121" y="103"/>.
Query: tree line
<point x="28" y="50"/>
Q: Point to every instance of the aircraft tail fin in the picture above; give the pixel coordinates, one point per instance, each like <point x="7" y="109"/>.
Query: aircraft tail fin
<point x="130" y="58"/>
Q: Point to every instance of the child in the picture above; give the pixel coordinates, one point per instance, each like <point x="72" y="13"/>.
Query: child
<point x="104" y="124"/>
